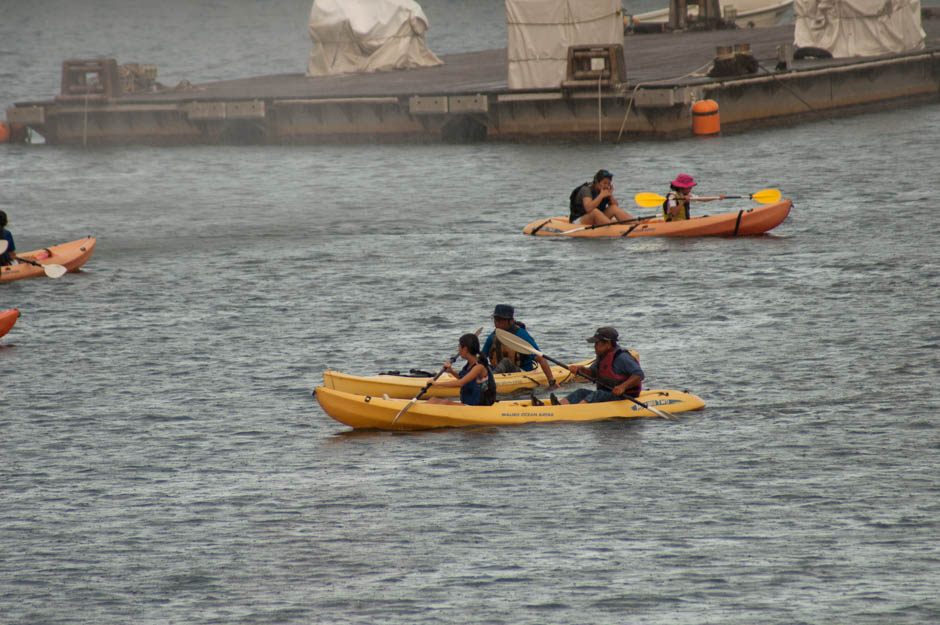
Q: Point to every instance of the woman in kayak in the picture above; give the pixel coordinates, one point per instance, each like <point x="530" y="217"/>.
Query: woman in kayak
<point x="475" y="379"/>
<point x="594" y="202"/>
<point x="8" y="253"/>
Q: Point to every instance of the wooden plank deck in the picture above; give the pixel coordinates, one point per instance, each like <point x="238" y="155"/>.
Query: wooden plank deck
<point x="648" y="58"/>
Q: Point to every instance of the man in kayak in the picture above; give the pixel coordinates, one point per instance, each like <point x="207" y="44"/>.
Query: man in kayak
<point x="8" y="253"/>
<point x="594" y="202"/>
<point x="616" y="372"/>
<point x="504" y="359"/>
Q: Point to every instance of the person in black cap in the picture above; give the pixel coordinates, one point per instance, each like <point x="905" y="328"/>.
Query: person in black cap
<point x="616" y="372"/>
<point x="503" y="358"/>
<point x="594" y="202"/>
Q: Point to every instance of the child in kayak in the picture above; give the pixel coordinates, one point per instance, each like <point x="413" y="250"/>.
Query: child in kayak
<point x="677" y="204"/>
<point x="476" y="382"/>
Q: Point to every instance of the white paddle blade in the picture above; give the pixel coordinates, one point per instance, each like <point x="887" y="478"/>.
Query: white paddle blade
<point x="4" y="244"/>
<point x="520" y="345"/>
<point x="55" y="271"/>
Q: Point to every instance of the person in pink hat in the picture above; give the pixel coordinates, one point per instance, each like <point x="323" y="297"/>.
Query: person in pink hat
<point x="676" y="207"/>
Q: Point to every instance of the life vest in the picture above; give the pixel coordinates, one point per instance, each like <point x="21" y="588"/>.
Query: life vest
<point x="478" y="393"/>
<point x="498" y="351"/>
<point x="607" y="377"/>
<point x="576" y="208"/>
<point x="683" y="203"/>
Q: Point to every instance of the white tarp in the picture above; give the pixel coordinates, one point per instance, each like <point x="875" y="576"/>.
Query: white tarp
<point x="352" y="36"/>
<point x="849" y="28"/>
<point x="540" y="32"/>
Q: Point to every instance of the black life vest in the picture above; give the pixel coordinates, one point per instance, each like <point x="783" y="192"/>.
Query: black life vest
<point x="576" y="208"/>
<point x="488" y="390"/>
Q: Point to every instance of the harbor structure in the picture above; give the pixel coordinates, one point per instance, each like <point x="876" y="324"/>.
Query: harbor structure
<point x="646" y="88"/>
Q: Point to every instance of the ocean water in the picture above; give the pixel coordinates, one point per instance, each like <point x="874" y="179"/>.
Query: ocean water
<point x="164" y="461"/>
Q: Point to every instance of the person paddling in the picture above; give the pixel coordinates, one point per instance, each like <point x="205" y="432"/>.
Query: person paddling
<point x="475" y="380"/>
<point x="615" y="370"/>
<point x="8" y="255"/>
<point x="676" y="207"/>
<point x="593" y="203"/>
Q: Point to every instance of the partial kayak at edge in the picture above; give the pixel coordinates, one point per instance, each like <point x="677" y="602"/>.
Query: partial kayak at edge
<point x="71" y="255"/>
<point x="8" y="320"/>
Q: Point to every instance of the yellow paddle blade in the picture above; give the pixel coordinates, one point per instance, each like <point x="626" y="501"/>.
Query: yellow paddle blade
<point x="767" y="196"/>
<point x="649" y="200"/>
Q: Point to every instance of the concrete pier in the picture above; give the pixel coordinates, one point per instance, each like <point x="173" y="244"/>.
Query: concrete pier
<point x="467" y="98"/>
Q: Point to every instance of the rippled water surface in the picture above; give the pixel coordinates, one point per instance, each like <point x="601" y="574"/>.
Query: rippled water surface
<point x="163" y="460"/>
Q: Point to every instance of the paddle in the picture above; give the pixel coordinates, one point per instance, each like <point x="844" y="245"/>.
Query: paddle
<point x="424" y="390"/>
<point x="767" y="196"/>
<point x="612" y="223"/>
<point x="4" y="244"/>
<point x="52" y="270"/>
<point x="524" y="347"/>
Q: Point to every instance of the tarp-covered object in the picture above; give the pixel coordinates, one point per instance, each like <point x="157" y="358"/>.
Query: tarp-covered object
<point x="352" y="36"/>
<point x="540" y="32"/>
<point x="849" y="28"/>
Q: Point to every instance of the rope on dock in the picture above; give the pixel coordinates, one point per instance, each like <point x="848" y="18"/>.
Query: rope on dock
<point x="623" y="124"/>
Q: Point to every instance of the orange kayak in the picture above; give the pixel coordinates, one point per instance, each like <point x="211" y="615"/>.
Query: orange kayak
<point x="8" y="319"/>
<point x="71" y="255"/>
<point x="756" y="220"/>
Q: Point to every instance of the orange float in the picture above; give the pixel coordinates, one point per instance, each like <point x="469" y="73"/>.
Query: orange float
<point x="705" y="118"/>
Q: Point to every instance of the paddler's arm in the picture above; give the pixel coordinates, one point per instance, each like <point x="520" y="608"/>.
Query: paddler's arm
<point x="631" y="382"/>
<point x="578" y="369"/>
<point x="475" y="372"/>
<point x="547" y="370"/>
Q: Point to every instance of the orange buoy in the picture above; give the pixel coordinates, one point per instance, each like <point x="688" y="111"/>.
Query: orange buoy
<point x="705" y="118"/>
<point x="4" y="132"/>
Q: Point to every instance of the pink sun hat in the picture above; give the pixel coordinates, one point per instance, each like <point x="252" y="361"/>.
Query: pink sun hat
<point x="684" y="181"/>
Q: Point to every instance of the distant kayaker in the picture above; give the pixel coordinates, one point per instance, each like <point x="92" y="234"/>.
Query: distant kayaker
<point x="9" y="254"/>
<point x="593" y="203"/>
<point x="676" y="207"/>
<point x="471" y="379"/>
<point x="615" y="370"/>
<point x="505" y="360"/>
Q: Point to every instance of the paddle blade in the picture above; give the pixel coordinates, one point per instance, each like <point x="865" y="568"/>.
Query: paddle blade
<point x="649" y="200"/>
<point x="4" y="244"/>
<point x="54" y="271"/>
<point x="518" y="345"/>
<point x="767" y="196"/>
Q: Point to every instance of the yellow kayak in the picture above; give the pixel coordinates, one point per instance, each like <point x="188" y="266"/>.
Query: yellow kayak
<point x="404" y="386"/>
<point x="376" y="412"/>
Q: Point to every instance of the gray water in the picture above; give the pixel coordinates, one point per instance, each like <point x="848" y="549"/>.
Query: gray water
<point x="163" y="460"/>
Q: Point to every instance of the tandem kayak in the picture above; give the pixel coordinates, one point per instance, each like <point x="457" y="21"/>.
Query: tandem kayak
<point x="71" y="255"/>
<point x="756" y="220"/>
<point x="371" y="412"/>
<point x="403" y="386"/>
<point x="8" y="319"/>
